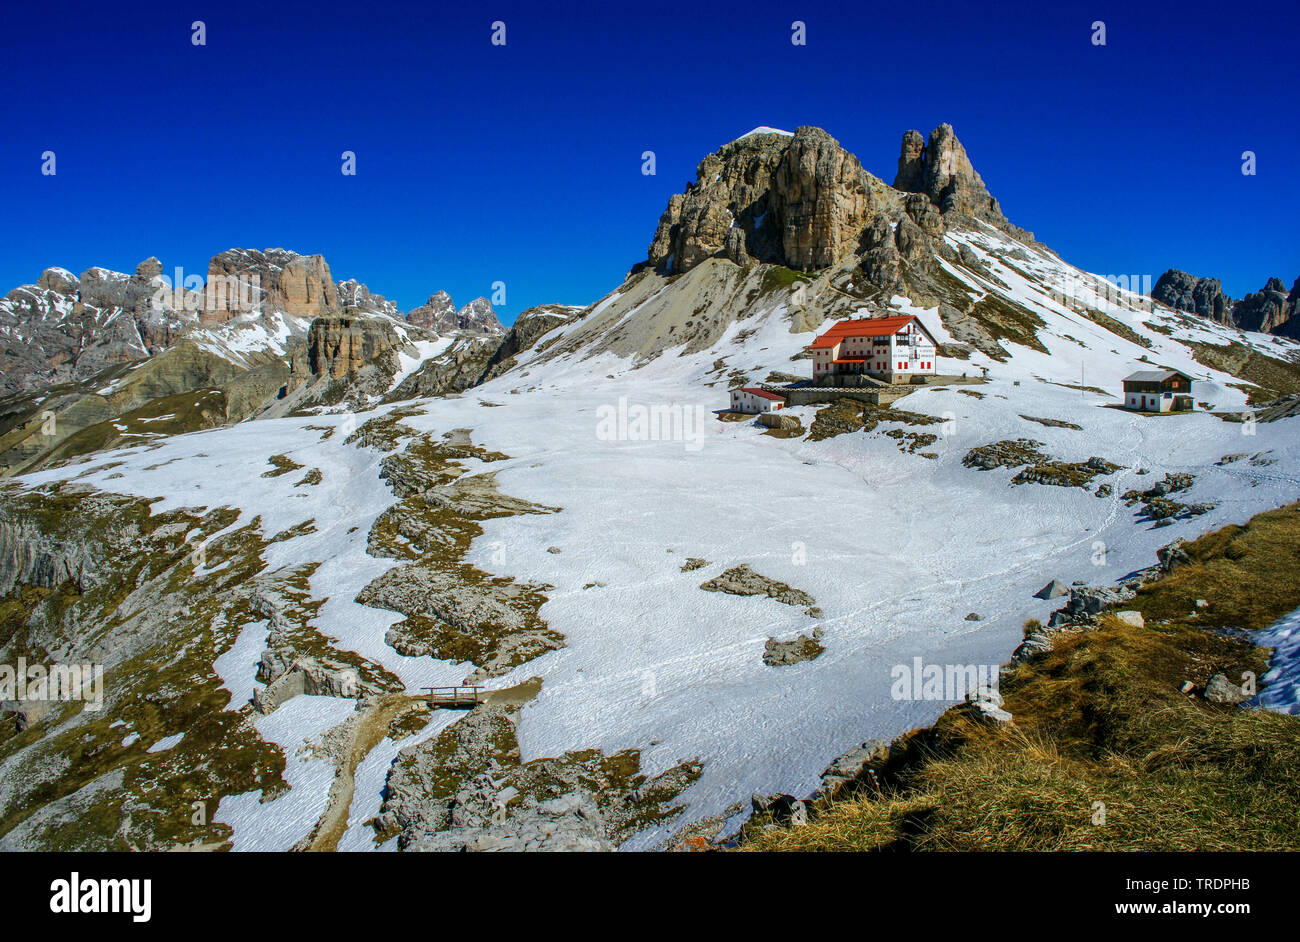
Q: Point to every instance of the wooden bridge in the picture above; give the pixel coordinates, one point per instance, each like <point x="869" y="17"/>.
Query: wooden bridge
<point x="453" y="698"/>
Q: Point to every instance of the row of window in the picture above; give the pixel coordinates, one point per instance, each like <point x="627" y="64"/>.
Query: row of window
<point x="902" y="365"/>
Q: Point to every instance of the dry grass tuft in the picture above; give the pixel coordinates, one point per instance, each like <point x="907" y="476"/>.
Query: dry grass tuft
<point x="1106" y="753"/>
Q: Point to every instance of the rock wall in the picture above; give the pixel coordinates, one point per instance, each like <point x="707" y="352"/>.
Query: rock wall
<point x="340" y="345"/>
<point x="280" y="280"/>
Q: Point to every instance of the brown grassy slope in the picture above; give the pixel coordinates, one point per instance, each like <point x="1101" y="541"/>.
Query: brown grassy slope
<point x="1100" y="718"/>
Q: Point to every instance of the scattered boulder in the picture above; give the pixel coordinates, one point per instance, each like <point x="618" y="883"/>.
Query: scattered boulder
<point x="986" y="705"/>
<point x="305" y="676"/>
<point x="1004" y="454"/>
<point x="1131" y="618"/>
<point x="1035" y="643"/>
<point x="1087" y="601"/>
<point x="1173" y="555"/>
<point x="782" y="808"/>
<point x="1222" y="690"/>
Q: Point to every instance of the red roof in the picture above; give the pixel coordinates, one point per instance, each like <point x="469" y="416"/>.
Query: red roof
<point x="865" y="327"/>
<point x="755" y="391"/>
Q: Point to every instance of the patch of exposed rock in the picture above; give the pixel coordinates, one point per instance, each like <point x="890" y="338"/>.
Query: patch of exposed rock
<point x="529" y="327"/>
<point x="741" y="580"/>
<point x="942" y="171"/>
<point x="344" y="357"/>
<point x="799" y="201"/>
<point x="454" y="370"/>
<point x="784" y="653"/>
<point x="1157" y="501"/>
<point x="453" y="611"/>
<point x="1201" y="296"/>
<point x="467" y="790"/>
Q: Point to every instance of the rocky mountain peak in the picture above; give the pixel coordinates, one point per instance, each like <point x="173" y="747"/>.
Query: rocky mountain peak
<point x="911" y="164"/>
<point x="1185" y="292"/>
<point x="59" y="280"/>
<point x="1272" y="309"/>
<point x="440" y="315"/>
<point x="436" y="314"/>
<point x="353" y="294"/>
<point x="801" y="200"/>
<point x="149" y="268"/>
<point x="941" y="169"/>
<point x="478" y="316"/>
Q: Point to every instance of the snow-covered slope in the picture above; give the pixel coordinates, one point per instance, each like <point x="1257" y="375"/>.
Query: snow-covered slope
<point x="895" y="548"/>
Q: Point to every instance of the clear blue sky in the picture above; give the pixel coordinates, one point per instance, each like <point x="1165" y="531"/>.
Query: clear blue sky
<point x="522" y="163"/>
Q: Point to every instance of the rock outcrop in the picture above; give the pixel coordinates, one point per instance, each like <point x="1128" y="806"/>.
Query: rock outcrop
<point x="435" y="313"/>
<point x="804" y="202"/>
<point x="30" y="557"/>
<point x="911" y="163"/>
<point x="529" y="327"/>
<point x="1271" y="310"/>
<point x="354" y="298"/>
<point x="453" y="370"/>
<point x="943" y="172"/>
<point x="800" y="201"/>
<point x="271" y="280"/>
<point x="1202" y="296"/>
<point x="821" y="199"/>
<point x="346" y="356"/>
<point x="440" y="315"/>
<point x="337" y="346"/>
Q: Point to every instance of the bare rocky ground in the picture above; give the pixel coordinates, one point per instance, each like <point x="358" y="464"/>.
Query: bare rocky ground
<point x="155" y="598"/>
<point x="453" y="611"/>
<point x="467" y="789"/>
<point x="158" y="598"/>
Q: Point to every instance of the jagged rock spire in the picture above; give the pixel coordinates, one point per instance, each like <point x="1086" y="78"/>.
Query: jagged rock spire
<point x="942" y="171"/>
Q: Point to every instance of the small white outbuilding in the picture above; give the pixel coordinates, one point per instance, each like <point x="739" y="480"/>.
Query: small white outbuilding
<point x="1158" y="391"/>
<point x="751" y="399"/>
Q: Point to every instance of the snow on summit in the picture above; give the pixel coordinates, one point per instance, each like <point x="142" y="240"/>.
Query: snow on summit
<point x="763" y="129"/>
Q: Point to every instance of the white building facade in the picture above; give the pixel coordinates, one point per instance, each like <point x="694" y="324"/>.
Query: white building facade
<point x="752" y="400"/>
<point x="1158" y="391"/>
<point x="893" y="349"/>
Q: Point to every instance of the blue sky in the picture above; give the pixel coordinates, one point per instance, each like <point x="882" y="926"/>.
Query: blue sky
<point x="522" y="164"/>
